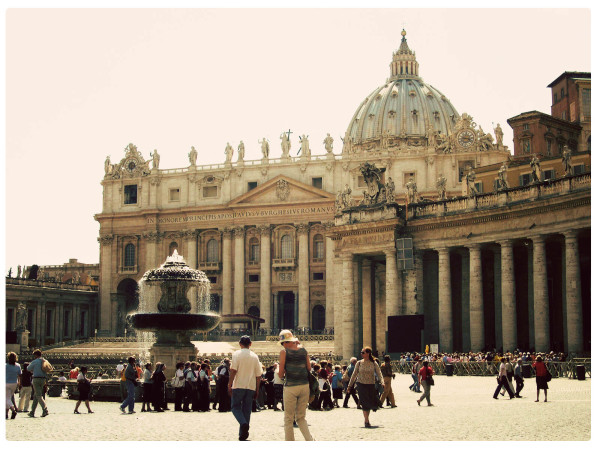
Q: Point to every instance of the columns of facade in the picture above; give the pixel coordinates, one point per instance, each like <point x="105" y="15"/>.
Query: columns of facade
<point x="239" y="276"/>
<point x="40" y="321"/>
<point x="303" y="275"/>
<point x="348" y="305"/>
<point x="573" y="294"/>
<point x="392" y="296"/>
<point x="444" y="301"/>
<point x="367" y="334"/>
<point x="509" y="306"/>
<point x="106" y="271"/>
<point x="226" y="306"/>
<point x="191" y="239"/>
<point x="265" y="275"/>
<point x="380" y="308"/>
<point x="541" y="312"/>
<point x="74" y="320"/>
<point x="476" y="317"/>
<point x="329" y="280"/>
<point x="338" y="323"/>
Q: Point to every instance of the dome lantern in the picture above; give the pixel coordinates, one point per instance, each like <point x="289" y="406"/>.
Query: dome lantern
<point x="404" y="62"/>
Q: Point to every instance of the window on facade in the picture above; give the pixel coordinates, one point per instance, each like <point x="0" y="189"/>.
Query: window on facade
<point x="578" y="169"/>
<point x="563" y="116"/>
<point x="212" y="251"/>
<point x="548" y="147"/>
<point x="555" y="97"/>
<point x="254" y="250"/>
<point x="562" y="93"/>
<point x="317" y="182"/>
<point x="253" y="278"/>
<point x="174" y="195"/>
<point x="130" y="192"/>
<point x="318" y="247"/>
<point x="213" y="280"/>
<point x="129" y="255"/>
<point x="463" y="168"/>
<point x="526" y="126"/>
<point x="586" y="104"/>
<point x="548" y="174"/>
<point x="210" y="192"/>
<point x="524" y="179"/>
<point x="318" y="276"/>
<point x="252" y="185"/>
<point x="479" y="187"/>
<point x="287" y="247"/>
<point x="404" y="254"/>
<point x="172" y="247"/>
<point x="526" y="144"/>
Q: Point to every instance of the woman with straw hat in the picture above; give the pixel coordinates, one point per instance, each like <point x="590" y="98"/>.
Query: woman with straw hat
<point x="294" y="365"/>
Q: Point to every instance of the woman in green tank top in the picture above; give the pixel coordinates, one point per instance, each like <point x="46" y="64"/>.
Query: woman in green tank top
<point x="294" y="366"/>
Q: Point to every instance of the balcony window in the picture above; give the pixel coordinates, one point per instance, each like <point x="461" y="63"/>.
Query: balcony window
<point x="287" y="247"/>
<point x="212" y="251"/>
<point x="319" y="247"/>
<point x="129" y="260"/>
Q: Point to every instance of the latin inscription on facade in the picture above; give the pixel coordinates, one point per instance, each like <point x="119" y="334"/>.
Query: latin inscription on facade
<point x="368" y="239"/>
<point x="245" y="214"/>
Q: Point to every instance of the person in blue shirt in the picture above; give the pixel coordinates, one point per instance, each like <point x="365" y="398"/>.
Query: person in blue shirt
<point x="337" y="386"/>
<point x="131" y="376"/>
<point x="13" y="371"/>
<point x="38" y="381"/>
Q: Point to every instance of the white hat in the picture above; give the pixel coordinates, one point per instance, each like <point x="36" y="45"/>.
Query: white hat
<point x="287" y="336"/>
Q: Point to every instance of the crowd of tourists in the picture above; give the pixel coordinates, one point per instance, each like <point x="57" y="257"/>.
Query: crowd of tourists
<point x="293" y="384"/>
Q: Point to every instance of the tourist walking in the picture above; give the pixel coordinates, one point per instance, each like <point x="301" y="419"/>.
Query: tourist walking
<point x="147" y="388"/>
<point x="346" y="379"/>
<point x="84" y="386"/>
<point x="38" y="381"/>
<point x="416" y="387"/>
<point x="386" y="371"/>
<point x="277" y="388"/>
<point x="130" y="375"/>
<point x="519" y="377"/>
<point x="244" y="383"/>
<point x="13" y="371"/>
<point x="426" y="380"/>
<point x="158" y="387"/>
<point x="25" y="390"/>
<point x="503" y="380"/>
<point x="364" y="378"/>
<point x="122" y="380"/>
<point x="541" y="372"/>
<point x="294" y="368"/>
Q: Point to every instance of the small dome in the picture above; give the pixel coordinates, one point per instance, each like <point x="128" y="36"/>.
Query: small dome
<point x="405" y="106"/>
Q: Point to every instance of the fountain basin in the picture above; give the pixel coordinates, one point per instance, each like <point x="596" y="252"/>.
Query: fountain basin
<point x="174" y="321"/>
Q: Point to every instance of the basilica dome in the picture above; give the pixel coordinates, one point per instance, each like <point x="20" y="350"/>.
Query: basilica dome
<point x="405" y="106"/>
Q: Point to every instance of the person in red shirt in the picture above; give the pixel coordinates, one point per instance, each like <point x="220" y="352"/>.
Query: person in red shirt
<point x="74" y="372"/>
<point x="540" y="377"/>
<point x="423" y="374"/>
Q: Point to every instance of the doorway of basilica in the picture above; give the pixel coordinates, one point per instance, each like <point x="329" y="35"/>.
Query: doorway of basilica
<point x="286" y="310"/>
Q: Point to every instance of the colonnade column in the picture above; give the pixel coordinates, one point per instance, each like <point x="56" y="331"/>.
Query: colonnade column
<point x="541" y="316"/>
<point x="106" y="271"/>
<point x="348" y="305"/>
<point x="509" y="310"/>
<point x="226" y="306"/>
<point x="476" y="319"/>
<point x="329" y="279"/>
<point x="338" y="323"/>
<point x="392" y="297"/>
<point x="303" y="275"/>
<point x="573" y="294"/>
<point x="239" y="277"/>
<point x="444" y="301"/>
<point x="265" y="275"/>
<point x="367" y="334"/>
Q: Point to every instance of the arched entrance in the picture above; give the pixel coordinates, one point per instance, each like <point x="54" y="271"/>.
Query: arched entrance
<point x="318" y="317"/>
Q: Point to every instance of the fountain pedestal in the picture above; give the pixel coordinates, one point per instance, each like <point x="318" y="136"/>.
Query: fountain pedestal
<point x="171" y="354"/>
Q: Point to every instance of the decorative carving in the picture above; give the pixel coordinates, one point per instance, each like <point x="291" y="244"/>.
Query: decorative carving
<point x="132" y="165"/>
<point x="429" y="160"/>
<point x="390" y="191"/>
<point x="238" y="231"/>
<point x="304" y="147"/>
<point x="302" y="228"/>
<point x="303" y="167"/>
<point x="106" y="239"/>
<point x="264" y="171"/>
<point x="502" y="180"/>
<point x="566" y="160"/>
<point x="440" y="184"/>
<point x="193" y="156"/>
<point x="499" y="136"/>
<point x="285" y="144"/>
<point x="228" y="153"/>
<point x="155" y="159"/>
<point x="376" y="190"/>
<point x="536" y="171"/>
<point x="190" y="235"/>
<point x="239" y="172"/>
<point x="282" y="190"/>
<point x="153" y="236"/>
<point x="471" y="190"/>
<point x="265" y="230"/>
<point x="327" y="225"/>
<point x="241" y="152"/>
<point x="343" y="199"/>
<point x="328" y="141"/>
<point x="411" y="191"/>
<point x="156" y="180"/>
<point x="226" y="232"/>
<point x="21" y="322"/>
<point x="264" y="148"/>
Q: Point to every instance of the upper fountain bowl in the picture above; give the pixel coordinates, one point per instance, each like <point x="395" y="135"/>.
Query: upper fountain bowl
<point x="175" y="321"/>
<point x="175" y="269"/>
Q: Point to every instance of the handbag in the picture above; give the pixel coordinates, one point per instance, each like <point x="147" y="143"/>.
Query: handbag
<point x="548" y="376"/>
<point x="429" y="379"/>
<point x="313" y="386"/>
<point x="176" y="382"/>
<point x="47" y="367"/>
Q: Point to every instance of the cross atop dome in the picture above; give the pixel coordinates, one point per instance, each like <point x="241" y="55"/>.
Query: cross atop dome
<point x="404" y="62"/>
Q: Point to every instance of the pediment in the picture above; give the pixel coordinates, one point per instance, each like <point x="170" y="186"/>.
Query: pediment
<point x="282" y="190"/>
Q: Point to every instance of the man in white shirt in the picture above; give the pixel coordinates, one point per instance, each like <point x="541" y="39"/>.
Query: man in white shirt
<point x="244" y="382"/>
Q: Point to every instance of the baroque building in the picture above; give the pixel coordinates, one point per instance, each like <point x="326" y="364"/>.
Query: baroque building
<point x="326" y="241"/>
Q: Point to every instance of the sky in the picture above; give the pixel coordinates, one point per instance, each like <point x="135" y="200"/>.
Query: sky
<point x="83" y="83"/>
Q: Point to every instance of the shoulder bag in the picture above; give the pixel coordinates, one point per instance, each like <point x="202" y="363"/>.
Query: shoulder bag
<point x="548" y="376"/>
<point x="429" y="378"/>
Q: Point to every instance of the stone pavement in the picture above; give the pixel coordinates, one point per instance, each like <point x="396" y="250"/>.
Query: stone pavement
<point x="464" y="411"/>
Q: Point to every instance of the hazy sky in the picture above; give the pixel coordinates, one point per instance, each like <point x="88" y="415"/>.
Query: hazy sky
<point x="82" y="84"/>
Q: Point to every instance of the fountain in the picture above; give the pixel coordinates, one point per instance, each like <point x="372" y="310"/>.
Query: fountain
<point x="166" y="311"/>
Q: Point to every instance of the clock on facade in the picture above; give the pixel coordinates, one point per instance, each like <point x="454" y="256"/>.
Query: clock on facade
<point x="130" y="165"/>
<point x="466" y="138"/>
